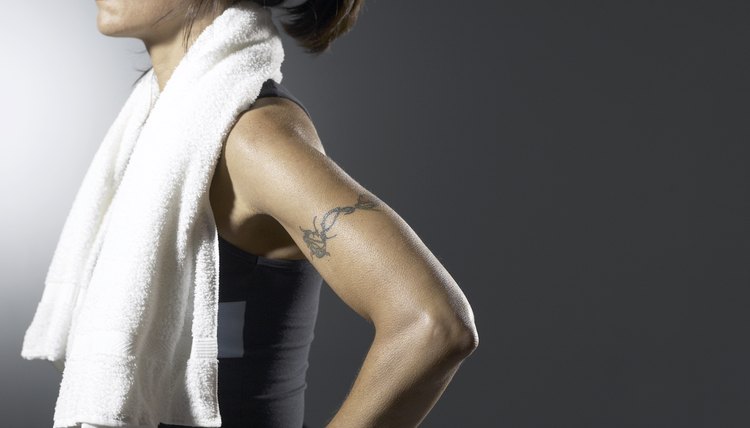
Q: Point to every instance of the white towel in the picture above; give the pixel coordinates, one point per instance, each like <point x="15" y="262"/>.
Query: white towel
<point x="129" y="307"/>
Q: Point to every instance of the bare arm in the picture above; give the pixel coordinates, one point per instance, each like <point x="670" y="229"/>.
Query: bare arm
<point x="368" y="255"/>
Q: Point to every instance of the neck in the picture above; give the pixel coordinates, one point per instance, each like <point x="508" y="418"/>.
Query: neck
<point x="167" y="52"/>
<point x="164" y="58"/>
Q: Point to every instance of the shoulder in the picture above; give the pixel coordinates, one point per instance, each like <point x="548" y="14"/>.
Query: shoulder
<point x="271" y="119"/>
<point x="268" y="139"/>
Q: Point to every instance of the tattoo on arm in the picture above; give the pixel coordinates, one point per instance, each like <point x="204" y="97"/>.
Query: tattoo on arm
<point x="316" y="239"/>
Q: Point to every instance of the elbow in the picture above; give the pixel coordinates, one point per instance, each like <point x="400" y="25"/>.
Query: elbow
<point x="469" y="341"/>
<point x="455" y="337"/>
<point x="465" y="341"/>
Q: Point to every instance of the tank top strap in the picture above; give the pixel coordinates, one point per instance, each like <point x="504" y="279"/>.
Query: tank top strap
<point x="272" y="88"/>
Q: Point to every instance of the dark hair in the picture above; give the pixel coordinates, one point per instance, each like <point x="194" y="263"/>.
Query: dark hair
<point x="314" y="24"/>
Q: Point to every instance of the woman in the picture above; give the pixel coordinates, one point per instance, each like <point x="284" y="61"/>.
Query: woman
<point x="279" y="202"/>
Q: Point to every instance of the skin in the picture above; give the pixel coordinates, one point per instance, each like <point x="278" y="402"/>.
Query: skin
<point x="276" y="194"/>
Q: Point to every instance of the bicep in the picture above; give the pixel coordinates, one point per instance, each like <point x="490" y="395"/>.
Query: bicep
<point x="369" y="256"/>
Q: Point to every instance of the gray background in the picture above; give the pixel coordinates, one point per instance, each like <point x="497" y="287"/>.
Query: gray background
<point x="581" y="169"/>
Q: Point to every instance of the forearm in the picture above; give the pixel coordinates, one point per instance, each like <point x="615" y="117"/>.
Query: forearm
<point x="402" y="377"/>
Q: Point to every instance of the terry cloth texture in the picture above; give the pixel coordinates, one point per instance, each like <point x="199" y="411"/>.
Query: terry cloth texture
<point x="130" y="302"/>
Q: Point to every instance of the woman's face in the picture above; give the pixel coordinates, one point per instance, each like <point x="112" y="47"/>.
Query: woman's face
<point x="148" y="20"/>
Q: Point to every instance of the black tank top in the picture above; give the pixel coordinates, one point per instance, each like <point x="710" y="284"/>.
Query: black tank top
<point x="267" y="313"/>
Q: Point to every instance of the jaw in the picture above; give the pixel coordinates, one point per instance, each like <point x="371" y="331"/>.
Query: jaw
<point x="147" y="20"/>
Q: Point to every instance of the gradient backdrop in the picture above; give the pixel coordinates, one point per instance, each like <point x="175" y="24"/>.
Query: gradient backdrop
<point x="581" y="169"/>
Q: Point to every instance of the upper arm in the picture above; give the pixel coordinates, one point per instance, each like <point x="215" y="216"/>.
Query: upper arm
<point x="363" y="250"/>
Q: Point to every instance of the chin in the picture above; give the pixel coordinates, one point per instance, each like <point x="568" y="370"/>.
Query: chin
<point x="135" y="18"/>
<point x="121" y="20"/>
<point x="110" y="25"/>
<point x="108" y="29"/>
